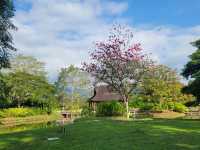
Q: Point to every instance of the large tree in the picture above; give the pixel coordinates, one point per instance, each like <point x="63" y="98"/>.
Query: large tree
<point x="119" y="62"/>
<point x="28" y="89"/>
<point x="161" y="85"/>
<point x="71" y="82"/>
<point x="4" y="90"/>
<point x="192" y="71"/>
<point x="6" y="41"/>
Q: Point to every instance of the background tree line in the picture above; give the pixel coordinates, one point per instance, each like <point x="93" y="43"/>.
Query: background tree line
<point x="25" y="84"/>
<point x="124" y="66"/>
<point x="118" y="62"/>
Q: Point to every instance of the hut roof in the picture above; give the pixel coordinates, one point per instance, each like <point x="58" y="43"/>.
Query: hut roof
<point x="105" y="93"/>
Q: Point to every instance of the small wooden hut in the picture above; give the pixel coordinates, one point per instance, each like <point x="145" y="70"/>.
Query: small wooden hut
<point x="103" y="93"/>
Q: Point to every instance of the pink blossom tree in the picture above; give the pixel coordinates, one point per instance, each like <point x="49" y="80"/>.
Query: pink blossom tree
<point x="119" y="62"/>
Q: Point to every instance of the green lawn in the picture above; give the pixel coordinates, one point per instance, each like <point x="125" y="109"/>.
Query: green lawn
<point x="106" y="134"/>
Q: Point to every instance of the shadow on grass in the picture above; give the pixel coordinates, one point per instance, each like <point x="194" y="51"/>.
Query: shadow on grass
<point x="105" y="134"/>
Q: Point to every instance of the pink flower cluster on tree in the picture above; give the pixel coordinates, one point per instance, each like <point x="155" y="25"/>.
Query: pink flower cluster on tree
<point x="119" y="62"/>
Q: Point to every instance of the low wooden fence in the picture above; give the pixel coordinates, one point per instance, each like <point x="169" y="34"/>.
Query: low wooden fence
<point x="193" y="113"/>
<point x="11" y="122"/>
<point x="139" y="114"/>
<point x="136" y="114"/>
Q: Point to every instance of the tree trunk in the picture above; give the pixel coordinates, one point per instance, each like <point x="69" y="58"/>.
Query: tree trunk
<point x="72" y="94"/>
<point x="198" y="100"/>
<point x="125" y="99"/>
<point x="18" y="102"/>
<point x="127" y="109"/>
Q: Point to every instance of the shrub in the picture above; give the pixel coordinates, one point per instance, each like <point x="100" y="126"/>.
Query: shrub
<point x="170" y="105"/>
<point x="20" y="112"/>
<point x="173" y="106"/>
<point x="157" y="108"/>
<point x="147" y="106"/>
<point x="75" y="105"/>
<point x="178" y="107"/>
<point x="87" y="112"/>
<point x="136" y="102"/>
<point x="192" y="103"/>
<point x="110" y="109"/>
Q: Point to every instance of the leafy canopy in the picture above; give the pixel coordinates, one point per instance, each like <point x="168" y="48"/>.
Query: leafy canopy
<point x="72" y="84"/>
<point x="192" y="70"/>
<point x="25" y="84"/>
<point x="6" y="41"/>
<point x="72" y="77"/>
<point x="27" y="89"/>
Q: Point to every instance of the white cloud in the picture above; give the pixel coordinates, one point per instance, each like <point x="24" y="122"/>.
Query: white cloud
<point x="62" y="32"/>
<point x="59" y="32"/>
<point x="170" y="46"/>
<point x="116" y="8"/>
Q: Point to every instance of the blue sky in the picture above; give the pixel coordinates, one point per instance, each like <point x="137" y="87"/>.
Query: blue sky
<point x="61" y="32"/>
<point x="182" y="13"/>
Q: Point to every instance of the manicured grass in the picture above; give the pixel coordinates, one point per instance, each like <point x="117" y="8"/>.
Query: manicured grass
<point x="106" y="134"/>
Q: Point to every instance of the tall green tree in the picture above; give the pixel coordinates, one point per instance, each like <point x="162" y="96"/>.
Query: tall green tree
<point x="6" y="40"/>
<point x="4" y="90"/>
<point x="25" y="84"/>
<point x="192" y="71"/>
<point x="162" y="84"/>
<point x="70" y="81"/>
<point x="161" y="89"/>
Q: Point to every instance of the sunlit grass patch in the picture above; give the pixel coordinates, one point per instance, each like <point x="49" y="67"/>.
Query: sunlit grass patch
<point x="106" y="134"/>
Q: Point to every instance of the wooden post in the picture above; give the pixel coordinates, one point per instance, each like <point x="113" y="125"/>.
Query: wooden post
<point x="94" y="106"/>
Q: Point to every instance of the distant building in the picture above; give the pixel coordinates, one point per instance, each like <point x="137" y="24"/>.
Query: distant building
<point x="103" y="93"/>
